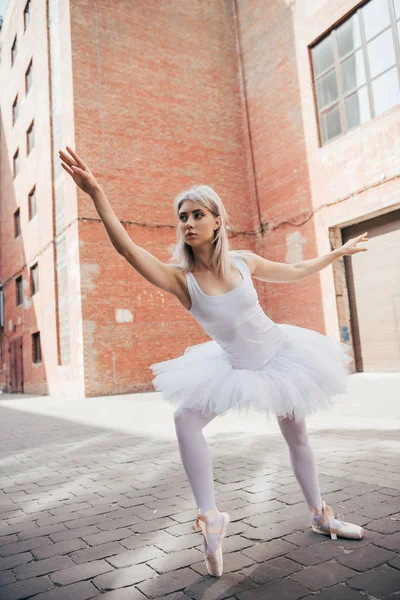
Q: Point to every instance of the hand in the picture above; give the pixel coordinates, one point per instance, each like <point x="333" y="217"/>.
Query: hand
<point x="79" y="171"/>
<point x="350" y="247"/>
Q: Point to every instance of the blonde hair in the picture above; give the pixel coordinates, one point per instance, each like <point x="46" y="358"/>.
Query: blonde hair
<point x="206" y="197"/>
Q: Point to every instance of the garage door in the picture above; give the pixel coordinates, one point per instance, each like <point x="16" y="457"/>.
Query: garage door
<point x="373" y="283"/>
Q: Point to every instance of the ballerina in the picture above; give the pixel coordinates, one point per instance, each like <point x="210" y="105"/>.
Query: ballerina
<point x="251" y="362"/>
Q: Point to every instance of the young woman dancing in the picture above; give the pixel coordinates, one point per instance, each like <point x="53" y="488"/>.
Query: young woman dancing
<point x="279" y="369"/>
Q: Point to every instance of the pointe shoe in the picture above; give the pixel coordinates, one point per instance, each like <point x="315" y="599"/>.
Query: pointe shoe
<point x="214" y="560"/>
<point x="336" y="526"/>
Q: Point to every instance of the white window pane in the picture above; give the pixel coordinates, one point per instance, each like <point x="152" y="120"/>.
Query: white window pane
<point x="348" y="36"/>
<point x="352" y="72"/>
<point x="381" y="53"/>
<point x="376" y="17"/>
<point x="330" y="122"/>
<point x="322" y="55"/>
<point x="357" y="108"/>
<point x="327" y="91"/>
<point x="386" y="91"/>
<point x="397" y="8"/>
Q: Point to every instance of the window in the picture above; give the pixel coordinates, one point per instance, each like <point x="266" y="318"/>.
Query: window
<point x="34" y="279"/>
<point x="17" y="223"/>
<point x="356" y="68"/>
<point x="14" y="51"/>
<point x="16" y="163"/>
<point x="28" y="78"/>
<point x="32" y="203"/>
<point x="36" y="349"/>
<point x="30" y="138"/>
<point x="15" y="110"/>
<point x="18" y="290"/>
<point x="27" y="14"/>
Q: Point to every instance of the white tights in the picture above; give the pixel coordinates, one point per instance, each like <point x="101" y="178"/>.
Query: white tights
<point x="196" y="457"/>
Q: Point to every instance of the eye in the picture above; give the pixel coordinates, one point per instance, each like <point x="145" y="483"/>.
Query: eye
<point x="199" y="214"/>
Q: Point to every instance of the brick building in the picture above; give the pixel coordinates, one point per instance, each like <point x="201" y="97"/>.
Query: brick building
<point x="290" y="110"/>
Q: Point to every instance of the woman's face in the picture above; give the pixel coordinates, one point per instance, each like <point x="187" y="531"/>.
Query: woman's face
<point x="199" y="221"/>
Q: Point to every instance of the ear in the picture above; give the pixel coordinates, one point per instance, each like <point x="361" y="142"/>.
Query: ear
<point x="217" y="222"/>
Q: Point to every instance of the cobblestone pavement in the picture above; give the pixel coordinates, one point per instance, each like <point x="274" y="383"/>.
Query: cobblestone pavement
<point x="95" y="502"/>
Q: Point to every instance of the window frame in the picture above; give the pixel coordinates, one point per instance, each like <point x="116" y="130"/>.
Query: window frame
<point x="31" y="194"/>
<point x="30" y="132"/>
<point x="28" y="73"/>
<point x="393" y="27"/>
<point x="19" y="292"/>
<point x="17" y="223"/>
<point x="27" y="14"/>
<point x="36" y="348"/>
<point x="14" y="50"/>
<point x="34" y="279"/>
<point x="15" y="110"/>
<point x="16" y="163"/>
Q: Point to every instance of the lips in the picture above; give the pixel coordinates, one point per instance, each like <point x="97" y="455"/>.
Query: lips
<point x="190" y="234"/>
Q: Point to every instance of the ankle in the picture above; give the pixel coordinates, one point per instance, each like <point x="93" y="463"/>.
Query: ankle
<point x="211" y="515"/>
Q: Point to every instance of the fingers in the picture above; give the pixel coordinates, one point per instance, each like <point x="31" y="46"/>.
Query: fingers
<point x="66" y="158"/>
<point x="69" y="171"/>
<point x="78" y="160"/>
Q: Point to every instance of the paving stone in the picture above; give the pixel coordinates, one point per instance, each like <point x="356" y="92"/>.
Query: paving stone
<point x="168" y="583"/>
<point x="135" y="557"/>
<point x="391" y="542"/>
<point x="19" y="547"/>
<point x="282" y="589"/>
<point x="387" y="525"/>
<point x="42" y="567"/>
<point x="379" y="582"/>
<point x="126" y="593"/>
<point x="59" y="548"/>
<point x="211" y="588"/>
<point x="76" y="591"/>
<point x="8" y="562"/>
<point x="81" y="572"/>
<point x="379" y="510"/>
<point x="6" y="577"/>
<point x="337" y="592"/>
<point x="261" y="552"/>
<point x="97" y="552"/>
<point x="271" y="569"/>
<point x="123" y="577"/>
<point x="322" y="575"/>
<point x="23" y="589"/>
<point x="67" y="534"/>
<point x="176" y="560"/>
<point x="395" y="561"/>
<point x="316" y="553"/>
<point x="365" y="558"/>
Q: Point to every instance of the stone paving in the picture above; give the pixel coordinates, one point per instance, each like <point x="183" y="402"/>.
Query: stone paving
<point x="95" y="503"/>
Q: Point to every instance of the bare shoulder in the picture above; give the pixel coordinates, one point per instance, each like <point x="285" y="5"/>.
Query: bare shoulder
<point x="249" y="257"/>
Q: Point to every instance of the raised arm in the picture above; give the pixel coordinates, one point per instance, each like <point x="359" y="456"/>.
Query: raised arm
<point x="267" y="270"/>
<point x="159" y="274"/>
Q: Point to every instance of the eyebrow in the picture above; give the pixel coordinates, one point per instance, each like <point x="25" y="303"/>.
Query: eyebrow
<point x="185" y="213"/>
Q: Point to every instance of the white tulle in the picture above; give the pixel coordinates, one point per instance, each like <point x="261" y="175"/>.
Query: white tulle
<point x="303" y="377"/>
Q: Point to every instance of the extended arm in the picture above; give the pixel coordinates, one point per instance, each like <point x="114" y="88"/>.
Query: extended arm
<point x="267" y="270"/>
<point x="159" y="274"/>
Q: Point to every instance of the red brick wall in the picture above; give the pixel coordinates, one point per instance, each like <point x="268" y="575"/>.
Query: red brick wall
<point x="158" y="107"/>
<point x="278" y="141"/>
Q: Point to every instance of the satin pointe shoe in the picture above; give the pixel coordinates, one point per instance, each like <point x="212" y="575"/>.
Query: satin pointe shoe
<point x="214" y="560"/>
<point x="337" y="527"/>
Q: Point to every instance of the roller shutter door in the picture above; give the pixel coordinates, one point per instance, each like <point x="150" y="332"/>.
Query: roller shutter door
<point x="373" y="283"/>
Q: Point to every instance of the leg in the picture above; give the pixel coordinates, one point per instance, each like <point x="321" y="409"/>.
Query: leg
<point x="196" y="460"/>
<point x="302" y="459"/>
<point x="195" y="455"/>
<point x="305" y="470"/>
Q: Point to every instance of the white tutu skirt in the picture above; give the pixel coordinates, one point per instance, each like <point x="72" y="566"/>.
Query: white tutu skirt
<point x="302" y="377"/>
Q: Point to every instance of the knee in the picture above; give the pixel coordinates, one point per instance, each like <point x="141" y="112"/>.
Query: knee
<point x="182" y="419"/>
<point x="295" y="433"/>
